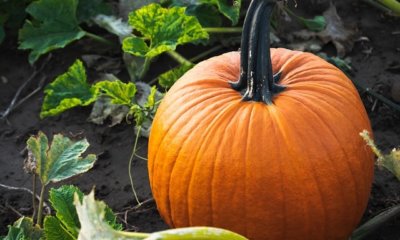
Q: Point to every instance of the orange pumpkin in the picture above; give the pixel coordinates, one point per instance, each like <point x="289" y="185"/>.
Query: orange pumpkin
<point x="269" y="164"/>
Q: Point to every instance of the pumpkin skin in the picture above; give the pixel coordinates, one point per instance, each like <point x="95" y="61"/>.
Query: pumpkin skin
<point x="296" y="169"/>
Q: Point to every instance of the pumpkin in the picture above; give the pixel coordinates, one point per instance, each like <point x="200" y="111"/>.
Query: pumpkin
<point x="268" y="156"/>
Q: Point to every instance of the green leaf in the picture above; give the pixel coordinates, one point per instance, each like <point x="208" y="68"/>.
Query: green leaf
<point x="14" y="234"/>
<point x="22" y="229"/>
<point x="69" y="90"/>
<point x="119" y="92"/>
<point x="151" y="99"/>
<point x="54" y="26"/>
<point x="316" y="24"/>
<point x="61" y="160"/>
<point x="92" y="218"/>
<point x="167" y="79"/>
<point x="375" y="223"/>
<point x="164" y="28"/>
<point x="54" y="229"/>
<point x="230" y="9"/>
<point x="207" y="14"/>
<point x="91" y="215"/>
<point x="62" y="201"/>
<point x="135" y="46"/>
<point x="87" y="9"/>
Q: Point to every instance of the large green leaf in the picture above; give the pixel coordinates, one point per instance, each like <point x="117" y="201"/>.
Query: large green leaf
<point x="230" y="9"/>
<point x="54" y="25"/>
<point x="54" y="229"/>
<point x="69" y="90"/>
<point x="60" y="160"/>
<point x="119" y="92"/>
<point x="62" y="201"/>
<point x="164" y="28"/>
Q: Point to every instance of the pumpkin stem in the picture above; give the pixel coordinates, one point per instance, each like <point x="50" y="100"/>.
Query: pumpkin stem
<point x="256" y="78"/>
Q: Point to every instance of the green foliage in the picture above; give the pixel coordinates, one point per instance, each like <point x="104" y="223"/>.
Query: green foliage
<point x="61" y="159"/>
<point x="54" y="26"/>
<point x="164" y="28"/>
<point x="66" y="225"/>
<point x="55" y="230"/>
<point x="68" y="90"/>
<point x="94" y="226"/>
<point x="62" y="200"/>
<point x="119" y="92"/>
<point x="316" y="24"/>
<point x="203" y="7"/>
<point x="12" y="14"/>
<point x="22" y="229"/>
<point x="167" y="79"/>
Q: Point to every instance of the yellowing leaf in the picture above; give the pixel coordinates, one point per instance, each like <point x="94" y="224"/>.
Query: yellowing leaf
<point x="68" y="90"/>
<point x="163" y="28"/>
<point x="119" y="92"/>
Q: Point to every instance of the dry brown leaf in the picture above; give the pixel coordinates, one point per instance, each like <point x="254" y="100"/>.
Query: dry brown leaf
<point x="336" y="32"/>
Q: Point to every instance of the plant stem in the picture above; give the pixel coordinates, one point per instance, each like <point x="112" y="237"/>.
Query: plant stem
<point x="206" y="53"/>
<point x="99" y="39"/>
<point x="256" y="69"/>
<point x="130" y="165"/>
<point x="223" y="29"/>
<point x="40" y="211"/>
<point x="34" y="196"/>
<point x="393" y="5"/>
<point x="145" y="67"/>
<point x="179" y="58"/>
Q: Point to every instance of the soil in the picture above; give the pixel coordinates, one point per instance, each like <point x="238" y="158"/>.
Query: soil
<point x="114" y="144"/>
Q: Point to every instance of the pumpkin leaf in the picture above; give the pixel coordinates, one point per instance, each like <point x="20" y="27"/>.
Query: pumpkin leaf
<point x="54" y="25"/>
<point x="230" y="9"/>
<point x="92" y="217"/>
<point x="207" y="14"/>
<point x="66" y="225"/>
<point x="23" y="228"/>
<point x="68" y="90"/>
<point x="389" y="161"/>
<point x="119" y="92"/>
<point x="61" y="159"/>
<point x="62" y="201"/>
<point x="167" y="79"/>
<point x="55" y="230"/>
<point x="163" y="28"/>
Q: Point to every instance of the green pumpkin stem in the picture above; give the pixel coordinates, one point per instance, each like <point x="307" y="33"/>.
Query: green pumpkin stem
<point x="256" y="78"/>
